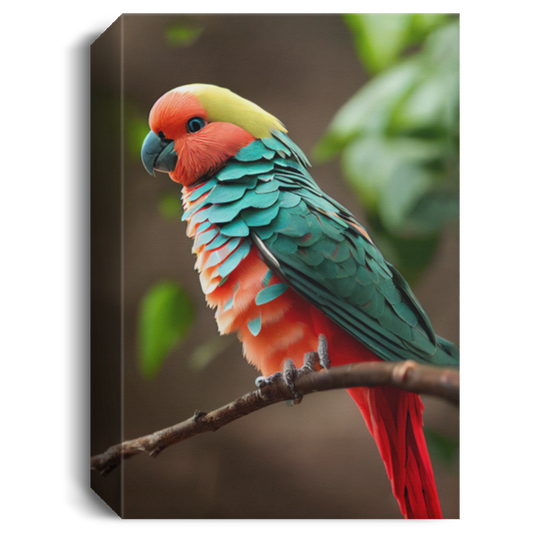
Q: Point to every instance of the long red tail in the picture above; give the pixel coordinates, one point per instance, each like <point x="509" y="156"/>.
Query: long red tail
<point x="394" y="418"/>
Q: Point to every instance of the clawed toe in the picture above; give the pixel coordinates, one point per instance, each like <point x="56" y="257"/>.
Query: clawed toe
<point x="262" y="381"/>
<point x="320" y="356"/>
<point x="290" y="373"/>
<point x="323" y="357"/>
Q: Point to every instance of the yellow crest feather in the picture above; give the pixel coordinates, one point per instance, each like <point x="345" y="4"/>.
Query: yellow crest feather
<point x="222" y="105"/>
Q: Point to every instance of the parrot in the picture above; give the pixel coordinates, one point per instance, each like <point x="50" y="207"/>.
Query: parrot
<point x="288" y="268"/>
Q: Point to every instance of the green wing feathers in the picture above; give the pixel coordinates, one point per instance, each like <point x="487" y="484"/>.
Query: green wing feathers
<point x="318" y="248"/>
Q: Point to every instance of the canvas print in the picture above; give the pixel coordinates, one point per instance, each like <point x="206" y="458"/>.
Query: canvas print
<point x="274" y="266"/>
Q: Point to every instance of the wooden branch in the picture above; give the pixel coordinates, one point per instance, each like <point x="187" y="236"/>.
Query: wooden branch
<point x="406" y="375"/>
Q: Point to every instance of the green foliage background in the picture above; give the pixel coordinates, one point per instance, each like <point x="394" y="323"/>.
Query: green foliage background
<point x="398" y="137"/>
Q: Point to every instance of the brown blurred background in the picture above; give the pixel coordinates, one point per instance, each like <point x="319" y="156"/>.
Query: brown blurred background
<point x="316" y="460"/>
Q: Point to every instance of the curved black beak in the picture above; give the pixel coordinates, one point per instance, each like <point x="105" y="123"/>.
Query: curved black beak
<point x="158" y="154"/>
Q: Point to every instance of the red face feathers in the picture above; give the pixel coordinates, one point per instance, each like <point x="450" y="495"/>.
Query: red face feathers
<point x="202" y="146"/>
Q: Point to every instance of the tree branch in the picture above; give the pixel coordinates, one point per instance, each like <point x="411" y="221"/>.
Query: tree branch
<point x="406" y="375"/>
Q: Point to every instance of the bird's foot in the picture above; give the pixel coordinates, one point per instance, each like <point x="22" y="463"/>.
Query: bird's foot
<point x="290" y="373"/>
<point x="263" y="381"/>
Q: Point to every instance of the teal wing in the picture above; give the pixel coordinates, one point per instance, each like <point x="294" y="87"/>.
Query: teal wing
<point x="265" y="195"/>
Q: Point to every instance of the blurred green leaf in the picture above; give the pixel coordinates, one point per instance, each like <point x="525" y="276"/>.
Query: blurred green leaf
<point x="381" y="38"/>
<point x="408" y="184"/>
<point x="207" y="351"/>
<point x="410" y="255"/>
<point x="440" y="446"/>
<point x="424" y="23"/>
<point x="183" y="34"/>
<point x="370" y="163"/>
<point x="434" y="210"/>
<point x="136" y="130"/>
<point x="369" y="110"/>
<point x="434" y="99"/>
<point x="170" y="206"/>
<point x="421" y="90"/>
<point x="398" y="136"/>
<point x="166" y="315"/>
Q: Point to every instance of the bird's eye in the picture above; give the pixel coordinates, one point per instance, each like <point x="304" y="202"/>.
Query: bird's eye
<point x="161" y="135"/>
<point x="195" y="124"/>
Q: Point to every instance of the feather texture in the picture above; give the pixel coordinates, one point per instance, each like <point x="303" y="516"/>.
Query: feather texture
<point x="321" y="252"/>
<point x="283" y="263"/>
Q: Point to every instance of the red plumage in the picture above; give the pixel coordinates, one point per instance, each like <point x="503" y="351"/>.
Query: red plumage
<point x="394" y="418"/>
<point x="202" y="153"/>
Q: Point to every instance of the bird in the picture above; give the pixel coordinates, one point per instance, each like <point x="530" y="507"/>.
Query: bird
<point x="289" y="269"/>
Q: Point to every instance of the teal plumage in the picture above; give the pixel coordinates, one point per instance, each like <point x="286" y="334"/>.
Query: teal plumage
<point x="265" y="195"/>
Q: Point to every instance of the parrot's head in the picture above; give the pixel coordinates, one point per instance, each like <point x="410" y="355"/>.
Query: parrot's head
<point x="196" y="128"/>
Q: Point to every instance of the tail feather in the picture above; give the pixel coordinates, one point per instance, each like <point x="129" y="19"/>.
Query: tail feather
<point x="394" y="418"/>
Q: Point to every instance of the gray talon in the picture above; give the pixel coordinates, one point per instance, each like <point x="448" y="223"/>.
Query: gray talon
<point x="262" y="381"/>
<point x="310" y="361"/>
<point x="323" y="357"/>
<point x="290" y="374"/>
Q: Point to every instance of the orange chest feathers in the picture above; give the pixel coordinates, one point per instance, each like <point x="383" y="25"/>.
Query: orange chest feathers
<point x="272" y="321"/>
